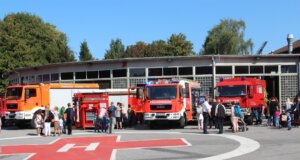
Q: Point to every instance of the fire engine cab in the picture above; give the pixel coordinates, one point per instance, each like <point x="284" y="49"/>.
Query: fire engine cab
<point x="248" y="92"/>
<point x="168" y="100"/>
<point x="87" y="107"/>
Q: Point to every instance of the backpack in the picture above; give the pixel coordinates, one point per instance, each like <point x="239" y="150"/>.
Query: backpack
<point x="221" y="111"/>
<point x="237" y="111"/>
<point x="70" y="116"/>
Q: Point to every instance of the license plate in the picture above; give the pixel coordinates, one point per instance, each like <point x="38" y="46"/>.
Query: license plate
<point x="160" y="114"/>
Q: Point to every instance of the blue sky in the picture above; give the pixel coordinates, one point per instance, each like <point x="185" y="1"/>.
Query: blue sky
<point x="98" y="21"/>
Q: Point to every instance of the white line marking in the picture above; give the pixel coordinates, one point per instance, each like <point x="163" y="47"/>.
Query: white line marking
<point x="66" y="147"/>
<point x="92" y="147"/>
<point x="113" y="154"/>
<point x="118" y="138"/>
<point x="186" y="142"/>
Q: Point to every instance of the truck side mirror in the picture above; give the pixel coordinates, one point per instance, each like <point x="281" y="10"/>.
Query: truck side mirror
<point x="184" y="92"/>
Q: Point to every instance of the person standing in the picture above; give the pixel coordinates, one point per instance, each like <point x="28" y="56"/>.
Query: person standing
<point x="70" y="118"/>
<point x="61" y="113"/>
<point x="39" y="123"/>
<point x="220" y="114"/>
<point x="112" y="116"/>
<point x="200" y="116"/>
<point x="212" y="119"/>
<point x="206" y="108"/>
<point x="119" y="115"/>
<point x="273" y="104"/>
<point x="56" y="121"/>
<point x="103" y="119"/>
<point x="48" y="118"/>
<point x="235" y="113"/>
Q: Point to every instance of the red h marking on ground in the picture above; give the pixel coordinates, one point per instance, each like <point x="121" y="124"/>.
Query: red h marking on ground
<point x="100" y="148"/>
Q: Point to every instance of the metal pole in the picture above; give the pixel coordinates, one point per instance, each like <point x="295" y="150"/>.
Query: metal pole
<point x="214" y="75"/>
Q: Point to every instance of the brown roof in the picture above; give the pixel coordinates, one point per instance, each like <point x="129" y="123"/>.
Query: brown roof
<point x="296" y="48"/>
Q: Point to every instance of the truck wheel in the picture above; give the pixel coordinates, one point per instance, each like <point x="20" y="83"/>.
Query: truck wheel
<point x="182" y="122"/>
<point x="249" y="120"/>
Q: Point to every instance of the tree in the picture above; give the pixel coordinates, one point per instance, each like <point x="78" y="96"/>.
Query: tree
<point x="157" y="49"/>
<point x="227" y="38"/>
<point x="116" y="49"/>
<point x="179" y="46"/>
<point x="26" y="41"/>
<point x="85" y="54"/>
<point x="139" y="49"/>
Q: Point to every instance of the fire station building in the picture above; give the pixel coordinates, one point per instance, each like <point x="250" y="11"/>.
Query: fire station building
<point x="281" y="71"/>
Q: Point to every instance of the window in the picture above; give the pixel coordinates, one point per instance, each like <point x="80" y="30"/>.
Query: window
<point x="162" y="92"/>
<point x="46" y="78"/>
<point x="259" y="89"/>
<point x="54" y="77"/>
<point x="170" y="71"/>
<point x="224" y="70"/>
<point x="67" y="76"/>
<point x="241" y="70"/>
<point x="271" y="69"/>
<point x="120" y="73"/>
<point x="39" y="78"/>
<point x="137" y="72"/>
<point x="30" y="92"/>
<point x="14" y="93"/>
<point x="104" y="74"/>
<point x="186" y="71"/>
<point x="256" y="69"/>
<point x="204" y="70"/>
<point x="92" y="74"/>
<point x="289" y="69"/>
<point x="155" y="71"/>
<point x="80" y="75"/>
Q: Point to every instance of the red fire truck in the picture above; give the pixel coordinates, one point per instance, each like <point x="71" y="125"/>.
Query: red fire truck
<point x="136" y="102"/>
<point x="87" y="107"/>
<point x="168" y="100"/>
<point x="249" y="92"/>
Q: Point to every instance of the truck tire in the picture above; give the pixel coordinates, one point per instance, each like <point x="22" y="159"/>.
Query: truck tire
<point x="249" y="120"/>
<point x="182" y="122"/>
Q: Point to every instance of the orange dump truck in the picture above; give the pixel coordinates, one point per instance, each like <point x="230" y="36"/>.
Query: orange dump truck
<point x="21" y="102"/>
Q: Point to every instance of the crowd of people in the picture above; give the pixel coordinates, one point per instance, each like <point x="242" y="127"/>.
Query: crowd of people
<point x="213" y="113"/>
<point x="59" y="118"/>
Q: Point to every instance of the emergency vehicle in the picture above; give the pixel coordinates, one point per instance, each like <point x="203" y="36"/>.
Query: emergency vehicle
<point x="21" y="102"/>
<point x="169" y="100"/>
<point x="87" y="107"/>
<point x="248" y="92"/>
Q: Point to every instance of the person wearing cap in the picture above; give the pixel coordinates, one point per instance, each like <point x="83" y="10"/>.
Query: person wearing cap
<point x="112" y="116"/>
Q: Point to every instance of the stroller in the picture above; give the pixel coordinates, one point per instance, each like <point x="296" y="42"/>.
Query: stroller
<point x="242" y="125"/>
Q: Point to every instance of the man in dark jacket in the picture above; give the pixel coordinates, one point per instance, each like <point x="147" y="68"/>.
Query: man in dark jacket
<point x="70" y="118"/>
<point x="220" y="115"/>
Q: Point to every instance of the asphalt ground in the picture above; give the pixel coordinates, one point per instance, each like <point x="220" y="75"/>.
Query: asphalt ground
<point x="260" y="142"/>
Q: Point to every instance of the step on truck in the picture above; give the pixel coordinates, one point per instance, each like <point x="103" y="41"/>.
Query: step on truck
<point x="169" y="100"/>
<point x="21" y="102"/>
<point x="248" y="92"/>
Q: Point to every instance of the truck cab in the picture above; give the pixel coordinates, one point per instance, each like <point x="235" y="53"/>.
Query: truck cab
<point x="248" y="92"/>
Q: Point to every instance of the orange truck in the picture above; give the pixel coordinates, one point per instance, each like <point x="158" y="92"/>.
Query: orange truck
<point x="169" y="100"/>
<point x="21" y="102"/>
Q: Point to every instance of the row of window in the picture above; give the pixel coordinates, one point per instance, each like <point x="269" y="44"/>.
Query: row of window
<point x="153" y="72"/>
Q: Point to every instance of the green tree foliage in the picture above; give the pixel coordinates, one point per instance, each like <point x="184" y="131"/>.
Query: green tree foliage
<point x="85" y="54"/>
<point x="116" y="49"/>
<point x="179" y="46"/>
<point x="26" y="41"/>
<point x="139" y="49"/>
<point x="227" y="38"/>
<point x="157" y="48"/>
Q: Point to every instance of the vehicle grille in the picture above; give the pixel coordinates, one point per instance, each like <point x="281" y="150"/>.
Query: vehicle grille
<point x="161" y="107"/>
<point x="12" y="106"/>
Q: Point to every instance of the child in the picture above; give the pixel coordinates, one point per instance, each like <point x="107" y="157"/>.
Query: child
<point x="277" y="117"/>
<point x="61" y="125"/>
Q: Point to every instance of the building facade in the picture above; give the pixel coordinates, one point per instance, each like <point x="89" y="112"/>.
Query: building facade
<point x="281" y="72"/>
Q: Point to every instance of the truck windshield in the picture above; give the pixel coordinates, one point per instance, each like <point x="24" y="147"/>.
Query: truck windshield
<point x="161" y="92"/>
<point x="230" y="91"/>
<point x="14" y="93"/>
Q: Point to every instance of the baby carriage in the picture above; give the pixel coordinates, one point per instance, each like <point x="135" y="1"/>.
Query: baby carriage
<point x="242" y="125"/>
